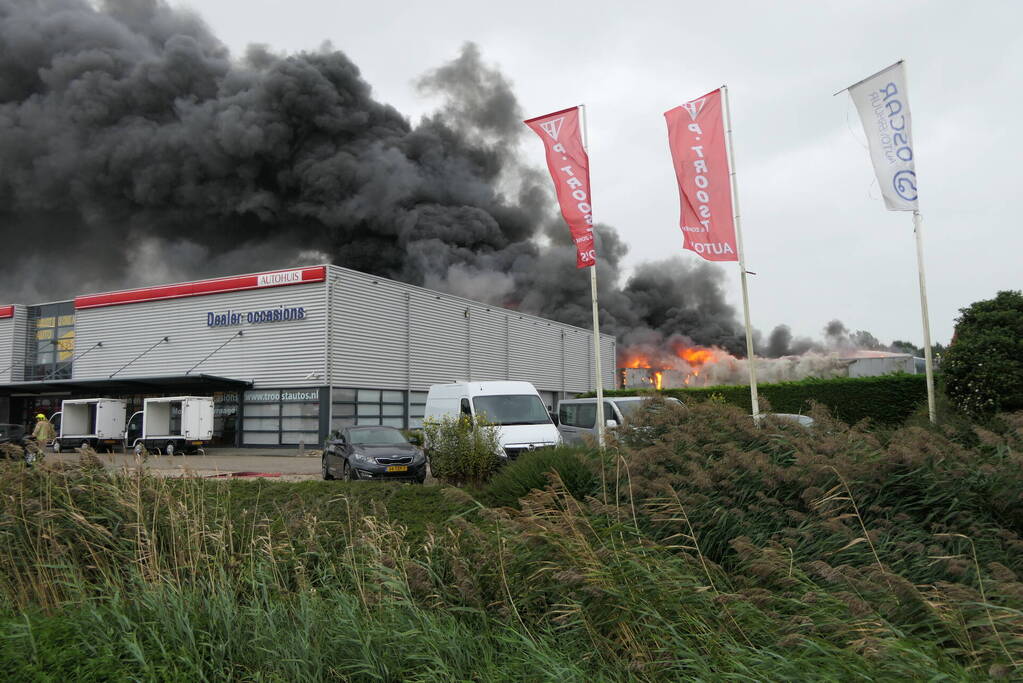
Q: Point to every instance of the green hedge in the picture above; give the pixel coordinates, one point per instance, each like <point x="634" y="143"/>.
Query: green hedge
<point x="889" y="399"/>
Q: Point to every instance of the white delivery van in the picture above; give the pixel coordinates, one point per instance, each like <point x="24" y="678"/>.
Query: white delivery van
<point x="90" y="422"/>
<point x="515" y="407"/>
<point x="171" y="425"/>
<point x="577" y="417"/>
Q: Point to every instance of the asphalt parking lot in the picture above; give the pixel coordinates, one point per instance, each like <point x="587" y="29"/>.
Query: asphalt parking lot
<point x="289" y="464"/>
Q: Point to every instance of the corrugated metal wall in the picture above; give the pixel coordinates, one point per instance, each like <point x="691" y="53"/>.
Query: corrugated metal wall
<point x="278" y="354"/>
<point x="20" y="343"/>
<point x="7" y="357"/>
<point x="389" y="335"/>
<point x="13" y="333"/>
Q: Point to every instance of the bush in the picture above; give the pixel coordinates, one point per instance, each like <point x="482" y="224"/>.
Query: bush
<point x="886" y="400"/>
<point x="531" y="471"/>
<point x="983" y="368"/>
<point x="462" y="450"/>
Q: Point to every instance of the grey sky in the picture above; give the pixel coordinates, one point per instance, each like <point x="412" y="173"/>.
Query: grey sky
<point x="815" y="227"/>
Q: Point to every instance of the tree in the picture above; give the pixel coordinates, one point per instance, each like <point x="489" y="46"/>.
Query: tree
<point x="983" y="366"/>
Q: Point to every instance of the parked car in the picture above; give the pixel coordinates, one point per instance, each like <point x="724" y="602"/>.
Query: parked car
<point x="372" y="453"/>
<point x="577" y="417"/>
<point x="523" y="423"/>
<point x="801" y="420"/>
<point x="13" y="434"/>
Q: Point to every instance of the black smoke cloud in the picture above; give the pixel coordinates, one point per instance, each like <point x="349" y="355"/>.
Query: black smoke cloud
<point x="134" y="150"/>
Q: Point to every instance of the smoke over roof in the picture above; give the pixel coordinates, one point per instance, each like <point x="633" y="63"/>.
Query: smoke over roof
<point x="134" y="149"/>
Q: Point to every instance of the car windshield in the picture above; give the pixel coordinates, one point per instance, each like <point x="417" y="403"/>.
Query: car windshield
<point x="376" y="437"/>
<point x="512" y="409"/>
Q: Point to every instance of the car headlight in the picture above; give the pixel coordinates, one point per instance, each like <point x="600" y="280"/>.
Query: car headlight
<point x="419" y="457"/>
<point x="359" y="457"/>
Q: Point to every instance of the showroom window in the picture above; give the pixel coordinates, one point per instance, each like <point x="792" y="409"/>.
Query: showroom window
<point x="281" y="417"/>
<point x="367" y="407"/>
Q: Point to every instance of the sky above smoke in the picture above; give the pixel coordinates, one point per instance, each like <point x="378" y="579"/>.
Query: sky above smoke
<point x="142" y="144"/>
<point x="816" y="231"/>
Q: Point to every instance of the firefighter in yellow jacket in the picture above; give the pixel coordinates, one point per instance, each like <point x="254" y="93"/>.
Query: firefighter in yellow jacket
<point x="44" y="432"/>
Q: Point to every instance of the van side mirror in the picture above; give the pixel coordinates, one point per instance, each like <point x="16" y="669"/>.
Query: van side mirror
<point x="611" y="422"/>
<point x="554" y="417"/>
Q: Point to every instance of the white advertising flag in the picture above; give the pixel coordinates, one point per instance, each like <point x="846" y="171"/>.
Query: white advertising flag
<point x="883" y="104"/>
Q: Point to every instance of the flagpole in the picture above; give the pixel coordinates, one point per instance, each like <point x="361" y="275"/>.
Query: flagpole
<point x="918" y="229"/>
<point x="596" y="315"/>
<point x="751" y="358"/>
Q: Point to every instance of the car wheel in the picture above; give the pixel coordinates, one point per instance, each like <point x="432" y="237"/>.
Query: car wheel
<point x="56" y="446"/>
<point x="138" y="449"/>
<point x="326" y="470"/>
<point x="346" y="472"/>
<point x="84" y="445"/>
<point x="169" y="448"/>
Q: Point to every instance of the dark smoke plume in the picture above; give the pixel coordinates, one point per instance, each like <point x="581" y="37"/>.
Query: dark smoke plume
<point x="135" y="150"/>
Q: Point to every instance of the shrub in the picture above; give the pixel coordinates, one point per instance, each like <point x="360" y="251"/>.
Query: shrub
<point x="531" y="472"/>
<point x="983" y="367"/>
<point x="886" y="400"/>
<point x="462" y="450"/>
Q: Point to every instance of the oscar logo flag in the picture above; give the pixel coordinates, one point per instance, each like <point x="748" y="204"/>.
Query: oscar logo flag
<point x="884" y="110"/>
<point x="696" y="136"/>
<point x="570" y="169"/>
<point x="883" y="105"/>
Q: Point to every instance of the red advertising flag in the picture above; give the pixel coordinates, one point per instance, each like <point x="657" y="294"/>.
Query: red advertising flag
<point x="570" y="168"/>
<point x="696" y="135"/>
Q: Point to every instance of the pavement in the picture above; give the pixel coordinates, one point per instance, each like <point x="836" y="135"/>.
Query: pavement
<point x="290" y="464"/>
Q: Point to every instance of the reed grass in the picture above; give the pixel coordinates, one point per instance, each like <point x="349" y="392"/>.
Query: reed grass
<point x="714" y="551"/>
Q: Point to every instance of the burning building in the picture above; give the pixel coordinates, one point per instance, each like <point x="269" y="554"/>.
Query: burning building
<point x="678" y="365"/>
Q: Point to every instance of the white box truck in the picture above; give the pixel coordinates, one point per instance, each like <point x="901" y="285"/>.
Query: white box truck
<point x="171" y="425"/>
<point x="90" y="422"/>
<point x="523" y="422"/>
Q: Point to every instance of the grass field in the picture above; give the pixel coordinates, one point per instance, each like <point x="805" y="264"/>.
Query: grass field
<point x="697" y="547"/>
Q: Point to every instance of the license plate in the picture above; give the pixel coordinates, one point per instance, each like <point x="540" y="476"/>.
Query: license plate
<point x="197" y="443"/>
<point x="398" y="468"/>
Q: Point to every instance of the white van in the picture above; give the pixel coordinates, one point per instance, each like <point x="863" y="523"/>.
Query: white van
<point x="523" y="421"/>
<point x="577" y="417"/>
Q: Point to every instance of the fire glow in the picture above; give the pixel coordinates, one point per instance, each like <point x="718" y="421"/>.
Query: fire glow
<point x="678" y="366"/>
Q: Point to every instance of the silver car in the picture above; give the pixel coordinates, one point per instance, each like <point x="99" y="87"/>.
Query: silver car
<point x="577" y="417"/>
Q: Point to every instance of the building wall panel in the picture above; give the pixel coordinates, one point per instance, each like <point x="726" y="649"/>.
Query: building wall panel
<point x="273" y="354"/>
<point x="389" y="335"/>
<point x="488" y="343"/>
<point x="13" y="331"/>
<point x="369" y="333"/>
<point x="7" y="358"/>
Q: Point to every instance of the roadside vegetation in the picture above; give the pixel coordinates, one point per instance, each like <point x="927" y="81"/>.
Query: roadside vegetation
<point x="697" y="547"/>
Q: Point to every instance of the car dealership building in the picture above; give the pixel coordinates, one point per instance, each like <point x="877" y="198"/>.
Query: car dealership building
<point x="287" y="355"/>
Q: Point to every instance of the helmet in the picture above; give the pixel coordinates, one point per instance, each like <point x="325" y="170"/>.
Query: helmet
<point x="40" y="416"/>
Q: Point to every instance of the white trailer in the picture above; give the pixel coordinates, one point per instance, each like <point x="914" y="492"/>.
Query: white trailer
<point x="90" y="422"/>
<point x="171" y="425"/>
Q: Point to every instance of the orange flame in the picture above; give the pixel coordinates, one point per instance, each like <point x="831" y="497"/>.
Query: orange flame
<point x="657" y="380"/>
<point x="636" y="361"/>
<point x="696" y="357"/>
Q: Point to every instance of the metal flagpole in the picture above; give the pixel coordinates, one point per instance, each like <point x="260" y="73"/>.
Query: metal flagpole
<point x="918" y="228"/>
<point x="596" y="316"/>
<point x="750" y="355"/>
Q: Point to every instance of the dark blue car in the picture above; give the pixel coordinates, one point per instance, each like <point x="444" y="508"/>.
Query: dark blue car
<point x="373" y="454"/>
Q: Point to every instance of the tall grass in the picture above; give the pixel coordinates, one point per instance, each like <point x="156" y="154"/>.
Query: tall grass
<point x="714" y="550"/>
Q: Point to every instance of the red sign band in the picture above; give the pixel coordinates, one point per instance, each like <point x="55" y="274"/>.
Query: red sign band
<point x="277" y="278"/>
